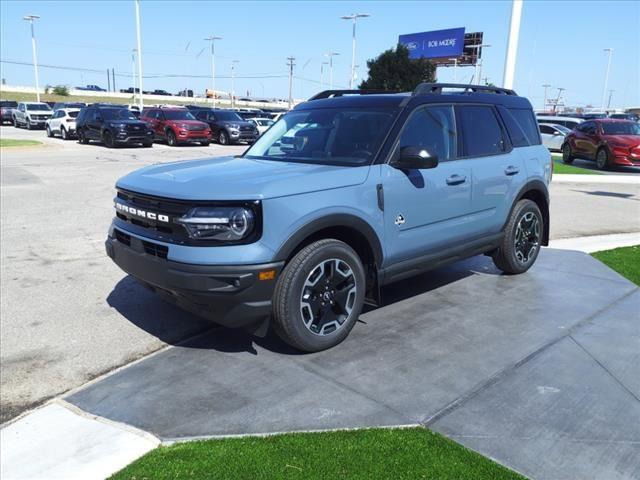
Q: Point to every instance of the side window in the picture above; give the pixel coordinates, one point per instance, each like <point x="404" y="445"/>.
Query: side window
<point x="527" y="122"/>
<point x="201" y="116"/>
<point x="547" y="129"/>
<point x="432" y="128"/>
<point x="481" y="131"/>
<point x="516" y="133"/>
<point x="96" y="115"/>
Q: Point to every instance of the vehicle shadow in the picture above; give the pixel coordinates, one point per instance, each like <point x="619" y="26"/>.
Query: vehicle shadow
<point x="175" y="326"/>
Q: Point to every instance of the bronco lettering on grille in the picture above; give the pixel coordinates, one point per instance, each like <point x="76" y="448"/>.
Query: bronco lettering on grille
<point x="142" y="213"/>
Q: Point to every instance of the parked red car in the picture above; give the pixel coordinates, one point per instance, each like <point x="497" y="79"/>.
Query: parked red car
<point x="607" y="141"/>
<point x="176" y="126"/>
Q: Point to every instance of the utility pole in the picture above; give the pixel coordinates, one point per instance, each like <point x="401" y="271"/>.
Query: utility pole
<point x="353" y="17"/>
<point x="233" y="88"/>
<point x="133" y="72"/>
<point x="606" y="77"/>
<point x="544" y="102"/>
<point x="108" y="80"/>
<point x="291" y="64"/>
<point x="113" y="74"/>
<point x="30" y="19"/>
<point x="322" y="64"/>
<point x="512" y="44"/>
<point x="331" y="55"/>
<point x="609" y="102"/>
<point x="139" y="50"/>
<point x="212" y="39"/>
<point x="560" y="90"/>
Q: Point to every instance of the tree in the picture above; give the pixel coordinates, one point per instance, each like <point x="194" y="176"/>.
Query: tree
<point x="61" y="90"/>
<point x="394" y="70"/>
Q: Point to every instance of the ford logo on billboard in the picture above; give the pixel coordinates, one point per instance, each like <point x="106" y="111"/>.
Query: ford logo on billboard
<point x="436" y="44"/>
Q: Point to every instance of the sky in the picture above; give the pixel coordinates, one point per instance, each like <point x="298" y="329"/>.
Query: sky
<point x="561" y="43"/>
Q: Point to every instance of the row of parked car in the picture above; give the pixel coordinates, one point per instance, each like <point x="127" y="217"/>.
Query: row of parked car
<point x="607" y="140"/>
<point x="116" y="125"/>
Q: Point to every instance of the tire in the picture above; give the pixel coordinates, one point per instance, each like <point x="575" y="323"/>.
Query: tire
<point x="223" y="138"/>
<point x="171" y="138"/>
<point x="107" y="138"/>
<point x="29" y="126"/>
<point x="602" y="159"/>
<point x="64" y="134"/>
<point x="147" y="144"/>
<point x="204" y="144"/>
<point x="567" y="156"/>
<point x="49" y="132"/>
<point x="82" y="138"/>
<point x="301" y="324"/>
<point x="16" y="124"/>
<point x="522" y="239"/>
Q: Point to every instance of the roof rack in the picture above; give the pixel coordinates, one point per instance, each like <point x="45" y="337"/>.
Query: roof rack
<point x="436" y="88"/>
<point x="340" y="93"/>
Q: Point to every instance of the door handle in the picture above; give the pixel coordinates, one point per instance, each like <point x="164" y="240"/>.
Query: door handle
<point x="456" y="179"/>
<point x="511" y="170"/>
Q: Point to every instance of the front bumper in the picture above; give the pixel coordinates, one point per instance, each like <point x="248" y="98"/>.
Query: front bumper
<point x="193" y="136"/>
<point x="230" y="295"/>
<point x="128" y="137"/>
<point x="238" y="136"/>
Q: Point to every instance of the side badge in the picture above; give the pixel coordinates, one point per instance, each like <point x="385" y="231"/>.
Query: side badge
<point x="399" y="219"/>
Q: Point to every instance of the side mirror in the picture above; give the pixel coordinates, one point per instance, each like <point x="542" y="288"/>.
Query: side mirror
<point x="556" y="133"/>
<point x="415" y="158"/>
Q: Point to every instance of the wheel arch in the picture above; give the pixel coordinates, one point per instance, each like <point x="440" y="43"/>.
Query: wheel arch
<point x="537" y="192"/>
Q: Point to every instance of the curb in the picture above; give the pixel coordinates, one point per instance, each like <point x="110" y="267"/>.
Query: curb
<point x="597" y="243"/>
<point x="610" y="179"/>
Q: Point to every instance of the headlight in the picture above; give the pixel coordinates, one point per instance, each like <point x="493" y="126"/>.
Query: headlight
<point x="234" y="126"/>
<point x="118" y="125"/>
<point x="219" y="223"/>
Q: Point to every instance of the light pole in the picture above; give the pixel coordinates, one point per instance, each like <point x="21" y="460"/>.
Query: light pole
<point x="291" y="64"/>
<point x="322" y="64"/>
<point x="455" y="68"/>
<point x="544" y="102"/>
<point x="133" y="72"/>
<point x="331" y="55"/>
<point x="212" y="39"/>
<point x="139" y="42"/>
<point x="30" y="19"/>
<point x="609" y="102"/>
<point x="478" y="60"/>
<point x="233" y="82"/>
<point x="353" y="17"/>
<point x="555" y="106"/>
<point x="606" y="77"/>
<point x="512" y="44"/>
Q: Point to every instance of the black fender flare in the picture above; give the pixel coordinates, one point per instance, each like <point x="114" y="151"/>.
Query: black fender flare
<point x="541" y="187"/>
<point x="344" y="220"/>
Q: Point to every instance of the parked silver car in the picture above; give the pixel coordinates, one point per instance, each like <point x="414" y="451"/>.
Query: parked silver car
<point x="553" y="135"/>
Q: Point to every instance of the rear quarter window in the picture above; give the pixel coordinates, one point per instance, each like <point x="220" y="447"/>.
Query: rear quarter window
<point x="527" y="123"/>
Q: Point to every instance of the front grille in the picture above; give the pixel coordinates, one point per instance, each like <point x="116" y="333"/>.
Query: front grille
<point x="246" y="129"/>
<point x="163" y="225"/>
<point x="195" y="128"/>
<point x="136" y="129"/>
<point x="123" y="237"/>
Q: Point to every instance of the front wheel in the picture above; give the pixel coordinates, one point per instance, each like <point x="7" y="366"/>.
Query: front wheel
<point x="223" y="138"/>
<point x="522" y="239"/>
<point x="602" y="159"/>
<point x="567" y="156"/>
<point x="29" y="127"/>
<point x="171" y="138"/>
<point x="107" y="138"/>
<point x="49" y="132"/>
<point x="204" y="144"/>
<point x="319" y="296"/>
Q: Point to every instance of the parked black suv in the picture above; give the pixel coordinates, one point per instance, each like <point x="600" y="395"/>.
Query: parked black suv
<point x="113" y="125"/>
<point x="227" y="127"/>
<point x="6" y="110"/>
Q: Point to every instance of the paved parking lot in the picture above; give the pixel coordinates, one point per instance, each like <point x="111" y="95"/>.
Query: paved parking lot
<point x="84" y="317"/>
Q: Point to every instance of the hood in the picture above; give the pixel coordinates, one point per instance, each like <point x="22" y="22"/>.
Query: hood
<point x="229" y="178"/>
<point x="189" y="122"/>
<point x="627" y="140"/>
<point x="40" y="112"/>
<point x="127" y="121"/>
<point x="242" y="123"/>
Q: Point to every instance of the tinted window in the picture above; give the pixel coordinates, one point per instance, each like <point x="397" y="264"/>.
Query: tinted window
<point x="433" y="129"/>
<point x="546" y="129"/>
<point x="73" y="114"/>
<point x="228" y="116"/>
<point x="481" y="131"/>
<point x="620" y="128"/>
<point x="117" y="114"/>
<point x="8" y="104"/>
<point x="38" y="106"/>
<point x="516" y="133"/>
<point x="588" y="127"/>
<point x="528" y="123"/>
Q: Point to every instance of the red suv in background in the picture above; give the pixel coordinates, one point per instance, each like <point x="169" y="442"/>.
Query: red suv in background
<point x="607" y="141"/>
<point x="176" y="126"/>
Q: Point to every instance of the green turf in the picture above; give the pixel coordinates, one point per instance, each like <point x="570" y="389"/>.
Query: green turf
<point x="412" y="453"/>
<point x="9" y="142"/>
<point x="625" y="261"/>
<point x="560" y="168"/>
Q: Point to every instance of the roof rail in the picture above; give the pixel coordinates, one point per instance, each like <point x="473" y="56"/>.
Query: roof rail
<point x="340" y="93"/>
<point x="436" y="88"/>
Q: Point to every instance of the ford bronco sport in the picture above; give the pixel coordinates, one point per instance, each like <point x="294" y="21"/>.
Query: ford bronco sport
<point x="344" y="194"/>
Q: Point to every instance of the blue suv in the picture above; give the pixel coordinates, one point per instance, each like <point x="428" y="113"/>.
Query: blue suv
<point x="347" y="192"/>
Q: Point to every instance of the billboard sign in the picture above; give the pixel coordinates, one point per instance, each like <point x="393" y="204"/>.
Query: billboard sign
<point x="436" y="44"/>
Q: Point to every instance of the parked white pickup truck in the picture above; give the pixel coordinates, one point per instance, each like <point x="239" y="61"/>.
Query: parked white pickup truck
<point x="31" y="115"/>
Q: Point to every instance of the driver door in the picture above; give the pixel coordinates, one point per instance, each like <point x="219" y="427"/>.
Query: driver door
<point x="425" y="209"/>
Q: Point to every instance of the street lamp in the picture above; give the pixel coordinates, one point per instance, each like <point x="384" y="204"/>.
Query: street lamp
<point x="133" y="72"/>
<point x="331" y="55"/>
<point x="353" y="17"/>
<point x="478" y="60"/>
<point x="322" y="64"/>
<point x="212" y="39"/>
<point x="139" y="42"/>
<point x="30" y="19"/>
<point x="606" y="77"/>
<point x="544" y="103"/>
<point x="455" y="68"/>
<point x="233" y="78"/>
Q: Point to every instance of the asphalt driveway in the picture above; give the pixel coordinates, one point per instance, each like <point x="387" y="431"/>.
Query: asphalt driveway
<point x="538" y="371"/>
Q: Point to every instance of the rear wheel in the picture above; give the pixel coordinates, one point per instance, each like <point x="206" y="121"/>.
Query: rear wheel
<point x="147" y="144"/>
<point x="171" y="138"/>
<point x="82" y="138"/>
<point x="522" y="239"/>
<point x="567" y="156"/>
<point x="49" y="132"/>
<point x="602" y="159"/>
<point x="319" y="296"/>
<point x="64" y="134"/>
<point x="204" y="144"/>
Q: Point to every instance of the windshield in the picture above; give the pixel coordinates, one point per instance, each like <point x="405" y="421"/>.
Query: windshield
<point x="8" y="104"/>
<point x="178" y="115"/>
<point x="227" y="116"/>
<point x="325" y="136"/>
<point x="118" y="114"/>
<point x="620" y="128"/>
<point x="562" y="128"/>
<point x="38" y="106"/>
